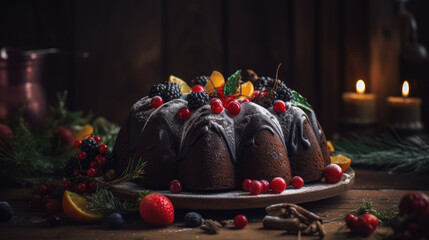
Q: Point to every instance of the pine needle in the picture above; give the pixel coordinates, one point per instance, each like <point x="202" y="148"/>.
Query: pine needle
<point x="104" y="202"/>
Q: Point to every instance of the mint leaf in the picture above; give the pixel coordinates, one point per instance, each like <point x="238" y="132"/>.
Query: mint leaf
<point x="232" y="85"/>
<point x="299" y="101"/>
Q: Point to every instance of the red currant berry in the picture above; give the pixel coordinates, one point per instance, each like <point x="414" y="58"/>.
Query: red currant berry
<point x="255" y="187"/>
<point x="36" y="201"/>
<point x="198" y="88"/>
<point x="103" y="148"/>
<point x="175" y="186"/>
<point x="216" y="107"/>
<point x="67" y="184"/>
<point x="234" y="108"/>
<point x="82" y="155"/>
<point x="97" y="139"/>
<point x="265" y="186"/>
<point x="50" y="188"/>
<point x="52" y="207"/>
<point x="76" y="172"/>
<point x="91" y="172"/>
<point x="93" y="164"/>
<point x="101" y="161"/>
<point x="213" y="100"/>
<point x="333" y="173"/>
<point x="81" y="187"/>
<point x="184" y="113"/>
<point x="278" y="185"/>
<point x="255" y="94"/>
<point x="297" y="182"/>
<point x="240" y="221"/>
<point x="246" y="183"/>
<point x="156" y="102"/>
<point x="77" y="143"/>
<point x="279" y="106"/>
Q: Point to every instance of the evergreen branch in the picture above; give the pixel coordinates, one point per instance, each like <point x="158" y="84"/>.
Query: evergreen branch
<point x="104" y="202"/>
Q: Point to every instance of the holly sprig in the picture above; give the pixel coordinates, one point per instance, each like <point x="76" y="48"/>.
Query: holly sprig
<point x="232" y="84"/>
<point x="299" y="101"/>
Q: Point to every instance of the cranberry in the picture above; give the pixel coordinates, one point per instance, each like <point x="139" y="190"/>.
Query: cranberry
<point x="103" y="148"/>
<point x="97" y="139"/>
<point x="156" y="102"/>
<point x="198" y="88"/>
<point x="82" y="155"/>
<point x="278" y="185"/>
<point x="184" y="113"/>
<point x="215" y="100"/>
<point x="36" y="201"/>
<point x="279" y="106"/>
<point x="255" y="187"/>
<point x="101" y="161"/>
<point x="77" y="143"/>
<point x="240" y="221"/>
<point x="216" y="107"/>
<point x="333" y="173"/>
<point x="265" y="186"/>
<point x="245" y="185"/>
<point x="234" y="108"/>
<point x="175" y="186"/>
<point x="297" y="182"/>
<point x="52" y="207"/>
<point x="93" y="164"/>
<point x="91" y="172"/>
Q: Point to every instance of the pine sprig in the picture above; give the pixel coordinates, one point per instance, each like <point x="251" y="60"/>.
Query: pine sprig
<point x="385" y="216"/>
<point x="104" y="202"/>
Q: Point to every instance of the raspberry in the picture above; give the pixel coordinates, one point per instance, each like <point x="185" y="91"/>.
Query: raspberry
<point x="157" y="90"/>
<point x="297" y="182"/>
<point x="240" y="221"/>
<point x="175" y="186"/>
<point x="255" y="187"/>
<point x="333" y="173"/>
<point x="278" y="185"/>
<point x="197" y="100"/>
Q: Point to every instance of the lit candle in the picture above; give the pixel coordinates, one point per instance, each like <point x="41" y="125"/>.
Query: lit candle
<point x="359" y="107"/>
<point x="404" y="112"/>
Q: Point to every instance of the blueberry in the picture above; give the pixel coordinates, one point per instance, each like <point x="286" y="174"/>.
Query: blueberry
<point x="115" y="221"/>
<point x="6" y="212"/>
<point x="193" y="219"/>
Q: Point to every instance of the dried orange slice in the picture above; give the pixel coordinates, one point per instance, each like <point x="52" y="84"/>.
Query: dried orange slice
<point x="331" y="146"/>
<point x="246" y="90"/>
<point x="75" y="208"/>
<point x="184" y="87"/>
<point x="216" y="80"/>
<point x="85" y="132"/>
<point x="342" y="161"/>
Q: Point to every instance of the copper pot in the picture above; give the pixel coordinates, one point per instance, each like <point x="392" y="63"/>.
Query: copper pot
<point x="20" y="83"/>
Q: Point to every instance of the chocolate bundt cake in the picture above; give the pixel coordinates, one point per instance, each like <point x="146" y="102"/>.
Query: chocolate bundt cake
<point x="215" y="143"/>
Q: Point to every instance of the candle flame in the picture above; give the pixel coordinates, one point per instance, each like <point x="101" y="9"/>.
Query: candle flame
<point x="360" y="86"/>
<point x="405" y="89"/>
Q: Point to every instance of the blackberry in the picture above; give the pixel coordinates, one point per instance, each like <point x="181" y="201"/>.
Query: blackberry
<point x="172" y="92"/>
<point x="90" y="147"/>
<point x="197" y="100"/>
<point x="157" y="90"/>
<point x="263" y="83"/>
<point x="200" y="80"/>
<point x="71" y="165"/>
<point x="283" y="93"/>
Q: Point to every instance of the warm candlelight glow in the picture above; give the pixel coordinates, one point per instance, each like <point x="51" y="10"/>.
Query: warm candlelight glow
<point x="405" y="89"/>
<point x="360" y="86"/>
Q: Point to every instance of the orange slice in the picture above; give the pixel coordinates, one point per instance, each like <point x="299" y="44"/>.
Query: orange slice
<point x="85" y="132"/>
<point x="246" y="90"/>
<point x="216" y="80"/>
<point x="331" y="146"/>
<point x="75" y="208"/>
<point x="184" y="87"/>
<point x="342" y="161"/>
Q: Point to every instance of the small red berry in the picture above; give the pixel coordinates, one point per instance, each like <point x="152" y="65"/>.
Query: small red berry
<point x="91" y="172"/>
<point x="77" y="143"/>
<point x="198" y="88"/>
<point x="243" y="100"/>
<point x="156" y="102"/>
<point x="184" y="113"/>
<point x="76" y="172"/>
<point x="52" y="207"/>
<point x="216" y="107"/>
<point x="97" y="139"/>
<point x="82" y="155"/>
<point x="103" y="148"/>
<point x="234" y="107"/>
<point x="350" y="220"/>
<point x="175" y="186"/>
<point x="246" y="183"/>
<point x="373" y="220"/>
<point x="333" y="173"/>
<point x="50" y="188"/>
<point x="93" y="164"/>
<point x="81" y="187"/>
<point x="255" y="187"/>
<point x="279" y="106"/>
<point x="213" y="100"/>
<point x="36" y="201"/>
<point x="240" y="221"/>
<point x="297" y="182"/>
<point x="265" y="186"/>
<point x="227" y="101"/>
<point x="365" y="225"/>
<point x="101" y="161"/>
<point x="278" y="185"/>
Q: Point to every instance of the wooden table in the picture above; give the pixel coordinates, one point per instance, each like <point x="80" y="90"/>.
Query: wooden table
<point x="383" y="189"/>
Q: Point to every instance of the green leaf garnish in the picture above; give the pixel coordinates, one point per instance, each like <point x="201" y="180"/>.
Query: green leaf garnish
<point x="299" y="101"/>
<point x="233" y="83"/>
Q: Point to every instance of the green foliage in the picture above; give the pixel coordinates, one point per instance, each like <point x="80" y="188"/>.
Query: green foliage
<point x="104" y="202"/>
<point x="232" y="84"/>
<point x="299" y="101"/>
<point x="385" y="216"/>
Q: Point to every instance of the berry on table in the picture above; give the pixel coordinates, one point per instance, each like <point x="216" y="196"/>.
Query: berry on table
<point x="333" y="173"/>
<point x="156" y="102"/>
<point x="6" y="212"/>
<point x="198" y="88"/>
<point x="279" y="106"/>
<point x="103" y="148"/>
<point x="175" y="186"/>
<point x="240" y="221"/>
<point x="77" y="143"/>
<point x="193" y="219"/>
<point x="297" y="182"/>
<point x="255" y="187"/>
<point x="115" y="221"/>
<point x="246" y="183"/>
<point x="91" y="172"/>
<point x="184" y="113"/>
<point x="216" y="107"/>
<point x="82" y="155"/>
<point x="234" y="107"/>
<point x="265" y="186"/>
<point x="278" y="185"/>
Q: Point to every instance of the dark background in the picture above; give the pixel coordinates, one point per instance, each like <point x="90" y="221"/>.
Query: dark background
<point x="114" y="51"/>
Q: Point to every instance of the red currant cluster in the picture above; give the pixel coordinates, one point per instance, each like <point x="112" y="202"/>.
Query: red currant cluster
<point x="44" y="198"/>
<point x="81" y="186"/>
<point x="362" y="225"/>
<point x="277" y="185"/>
